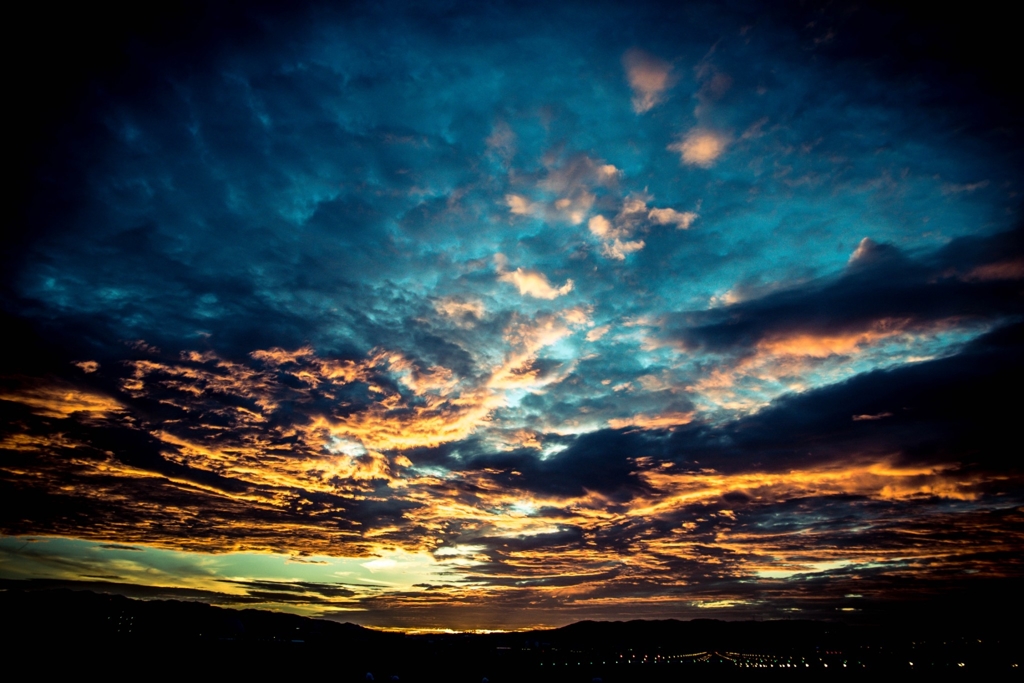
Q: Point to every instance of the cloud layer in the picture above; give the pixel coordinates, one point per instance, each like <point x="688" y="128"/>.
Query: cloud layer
<point x="504" y="319"/>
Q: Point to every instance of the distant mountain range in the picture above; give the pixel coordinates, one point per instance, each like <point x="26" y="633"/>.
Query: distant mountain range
<point x="65" y="630"/>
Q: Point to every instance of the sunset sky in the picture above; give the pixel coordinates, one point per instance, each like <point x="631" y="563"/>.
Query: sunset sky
<point x="492" y="316"/>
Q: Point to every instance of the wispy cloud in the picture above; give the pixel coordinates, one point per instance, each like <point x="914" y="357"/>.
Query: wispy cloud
<point x="649" y="77"/>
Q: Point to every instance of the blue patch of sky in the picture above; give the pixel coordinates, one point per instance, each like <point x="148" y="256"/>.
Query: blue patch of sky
<point x="54" y="557"/>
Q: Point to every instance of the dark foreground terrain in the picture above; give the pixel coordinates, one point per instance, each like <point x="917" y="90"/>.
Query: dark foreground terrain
<point x="63" y="631"/>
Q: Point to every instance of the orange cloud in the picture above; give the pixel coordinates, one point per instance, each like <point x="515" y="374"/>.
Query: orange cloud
<point x="879" y="416"/>
<point x="520" y="206"/>
<point x="1001" y="270"/>
<point x="617" y="236"/>
<point x="527" y="438"/>
<point x="618" y="250"/>
<point x="584" y="569"/>
<point x="601" y="226"/>
<point x="822" y="346"/>
<point x="531" y="282"/>
<point x="658" y="421"/>
<point x="433" y="406"/>
<point x="61" y="401"/>
<point x="701" y="147"/>
<point x="462" y="312"/>
<point x="572" y="182"/>
<point x="525" y="340"/>
<point x="782" y="362"/>
<point x="681" y="219"/>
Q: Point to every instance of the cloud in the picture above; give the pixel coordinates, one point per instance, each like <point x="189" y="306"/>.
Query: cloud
<point x="617" y="237"/>
<point x="869" y="251"/>
<point x="660" y="421"/>
<point x="575" y="209"/>
<point x="520" y="206"/>
<point x="1012" y="269"/>
<point x="521" y="368"/>
<point x="61" y="400"/>
<point x="577" y="173"/>
<point x="649" y="77"/>
<point x="613" y="245"/>
<point x="531" y="282"/>
<point x="703" y="508"/>
<point x="883" y="309"/>
<point x="822" y="346"/>
<point x="502" y="142"/>
<point x="565" y="189"/>
<point x="952" y="188"/>
<point x="618" y="250"/>
<point x="572" y="209"/>
<point x="681" y="219"/>
<point x="597" y="333"/>
<point x="731" y="496"/>
<point x="882" y="292"/>
<point x="700" y="147"/>
<point x="464" y="313"/>
<point x="714" y="84"/>
<point x="601" y="227"/>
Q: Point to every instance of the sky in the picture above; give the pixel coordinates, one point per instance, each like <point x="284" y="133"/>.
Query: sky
<point x="497" y="316"/>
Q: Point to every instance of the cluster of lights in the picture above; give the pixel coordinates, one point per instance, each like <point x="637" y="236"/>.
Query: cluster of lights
<point x="743" y="660"/>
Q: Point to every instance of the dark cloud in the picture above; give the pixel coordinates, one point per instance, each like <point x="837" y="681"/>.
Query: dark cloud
<point x="285" y="591"/>
<point x="927" y="419"/>
<point x="602" y="461"/>
<point x="881" y="286"/>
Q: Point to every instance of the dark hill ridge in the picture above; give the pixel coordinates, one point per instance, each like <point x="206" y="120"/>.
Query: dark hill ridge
<point x="84" y="615"/>
<point x="70" y="628"/>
